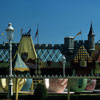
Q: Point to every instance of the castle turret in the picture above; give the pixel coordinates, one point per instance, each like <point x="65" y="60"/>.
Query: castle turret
<point x="69" y="43"/>
<point x="91" y="41"/>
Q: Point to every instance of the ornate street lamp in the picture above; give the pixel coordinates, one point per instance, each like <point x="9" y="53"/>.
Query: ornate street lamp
<point x="64" y="63"/>
<point x="10" y="31"/>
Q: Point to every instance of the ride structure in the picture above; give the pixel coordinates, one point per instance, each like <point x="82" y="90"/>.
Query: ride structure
<point x="73" y="59"/>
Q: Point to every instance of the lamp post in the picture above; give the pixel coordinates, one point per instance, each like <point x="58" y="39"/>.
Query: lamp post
<point x="10" y="31"/>
<point x="64" y="63"/>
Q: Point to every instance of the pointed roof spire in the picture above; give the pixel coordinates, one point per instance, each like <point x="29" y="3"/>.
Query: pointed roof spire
<point x="91" y="32"/>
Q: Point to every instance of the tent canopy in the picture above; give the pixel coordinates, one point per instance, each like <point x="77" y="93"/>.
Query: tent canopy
<point x="20" y="65"/>
<point x="26" y="48"/>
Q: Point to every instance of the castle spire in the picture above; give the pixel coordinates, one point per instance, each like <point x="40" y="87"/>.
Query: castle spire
<point x="91" y="32"/>
<point x="91" y="39"/>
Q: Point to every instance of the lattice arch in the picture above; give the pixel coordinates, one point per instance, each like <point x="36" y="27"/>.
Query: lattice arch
<point x="4" y="55"/>
<point x="49" y="54"/>
<point x="43" y="54"/>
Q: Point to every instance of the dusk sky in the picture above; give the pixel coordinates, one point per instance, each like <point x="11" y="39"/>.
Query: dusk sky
<point x="56" y="19"/>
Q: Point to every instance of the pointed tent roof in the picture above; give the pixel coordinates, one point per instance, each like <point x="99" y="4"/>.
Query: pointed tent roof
<point x="20" y="65"/>
<point x="82" y="54"/>
<point x="26" y="46"/>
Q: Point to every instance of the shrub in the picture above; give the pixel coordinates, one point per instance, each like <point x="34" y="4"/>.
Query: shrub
<point x="40" y="92"/>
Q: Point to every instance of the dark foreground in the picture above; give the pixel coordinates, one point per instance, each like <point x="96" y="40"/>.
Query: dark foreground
<point x="55" y="97"/>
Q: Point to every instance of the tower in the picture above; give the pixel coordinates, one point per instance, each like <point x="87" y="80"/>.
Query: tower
<point x="91" y="41"/>
<point x="69" y="43"/>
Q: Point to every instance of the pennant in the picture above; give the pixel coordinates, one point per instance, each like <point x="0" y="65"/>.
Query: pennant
<point x="2" y="34"/>
<point x="28" y="33"/>
<point x="78" y="33"/>
<point x="36" y="34"/>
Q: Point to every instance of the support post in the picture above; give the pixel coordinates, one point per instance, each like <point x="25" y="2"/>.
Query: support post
<point x="10" y="87"/>
<point x="17" y="88"/>
<point x="64" y="64"/>
<point x="68" y="94"/>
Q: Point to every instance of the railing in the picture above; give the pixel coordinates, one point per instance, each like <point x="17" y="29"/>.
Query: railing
<point x="52" y="77"/>
<point x="48" y="76"/>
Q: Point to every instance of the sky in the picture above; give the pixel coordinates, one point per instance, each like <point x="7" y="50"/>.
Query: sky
<point x="56" y="19"/>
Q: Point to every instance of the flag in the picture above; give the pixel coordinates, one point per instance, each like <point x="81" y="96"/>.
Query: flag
<point x="36" y="34"/>
<point x="2" y="34"/>
<point x="28" y="31"/>
<point x="78" y="33"/>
